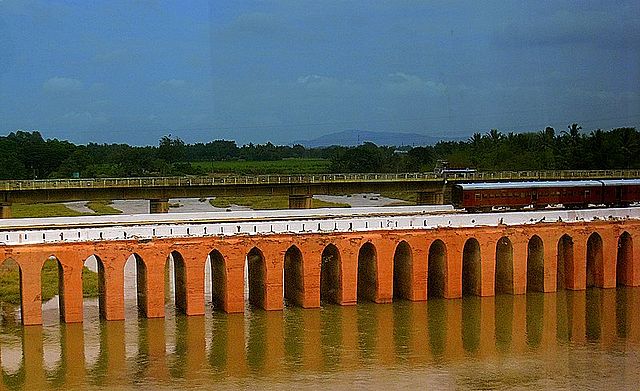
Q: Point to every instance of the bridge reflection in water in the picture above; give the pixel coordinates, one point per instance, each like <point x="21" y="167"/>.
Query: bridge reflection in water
<point x="565" y="339"/>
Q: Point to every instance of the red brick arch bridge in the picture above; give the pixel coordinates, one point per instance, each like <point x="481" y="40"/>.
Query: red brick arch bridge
<point x="309" y="257"/>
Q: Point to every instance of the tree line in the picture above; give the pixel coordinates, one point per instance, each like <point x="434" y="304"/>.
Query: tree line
<point x="27" y="155"/>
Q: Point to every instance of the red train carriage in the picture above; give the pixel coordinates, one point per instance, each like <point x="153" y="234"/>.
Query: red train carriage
<point x="516" y="195"/>
<point x="621" y="192"/>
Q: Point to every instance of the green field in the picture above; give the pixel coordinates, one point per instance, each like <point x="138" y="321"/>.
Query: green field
<point x="273" y="202"/>
<point x="282" y="167"/>
<point x="42" y="210"/>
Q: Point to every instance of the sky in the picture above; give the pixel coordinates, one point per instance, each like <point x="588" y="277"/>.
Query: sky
<point x="127" y="71"/>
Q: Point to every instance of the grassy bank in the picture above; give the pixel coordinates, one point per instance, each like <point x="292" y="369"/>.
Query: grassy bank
<point x="274" y="202"/>
<point x="42" y="210"/>
<point x="103" y="208"/>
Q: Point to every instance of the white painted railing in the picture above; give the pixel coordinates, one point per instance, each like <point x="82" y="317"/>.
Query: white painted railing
<point x="145" y="227"/>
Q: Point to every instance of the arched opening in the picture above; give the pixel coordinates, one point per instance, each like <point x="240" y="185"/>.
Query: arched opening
<point x="293" y="276"/>
<point x="624" y="260"/>
<point x="402" y="264"/>
<point x="330" y="275"/>
<point x="135" y="285"/>
<point x="52" y="285"/>
<point x="93" y="286"/>
<point x="367" y="272"/>
<point x="257" y="272"/>
<point x="595" y="264"/>
<point x="504" y="266"/>
<point x="175" y="281"/>
<point x="471" y="268"/>
<point x="218" y="278"/>
<point x="535" y="265"/>
<point x="565" y="261"/>
<point x="437" y="269"/>
<point x="11" y="292"/>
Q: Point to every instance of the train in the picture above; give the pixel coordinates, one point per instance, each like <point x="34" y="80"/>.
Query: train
<point x="483" y="197"/>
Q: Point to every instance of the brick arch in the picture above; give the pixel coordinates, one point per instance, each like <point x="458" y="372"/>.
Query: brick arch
<point x="100" y="282"/>
<point x="293" y="276"/>
<point x="10" y="264"/>
<point x="565" y="265"/>
<point x="52" y="266"/>
<point x="471" y="268"/>
<point x="140" y="269"/>
<point x="402" y="271"/>
<point x="179" y="280"/>
<point x="504" y="266"/>
<point x="330" y="274"/>
<point x="437" y="269"/>
<point x="595" y="261"/>
<point x="257" y="277"/>
<point x="624" y="260"/>
<point x="535" y="264"/>
<point x="218" y="265"/>
<point x="367" y="286"/>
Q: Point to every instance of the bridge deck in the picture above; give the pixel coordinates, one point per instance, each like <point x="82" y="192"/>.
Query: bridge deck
<point x="152" y="226"/>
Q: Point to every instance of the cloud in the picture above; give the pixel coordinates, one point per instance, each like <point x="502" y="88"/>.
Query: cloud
<point x="402" y="83"/>
<point x="315" y="79"/>
<point x="62" y="85"/>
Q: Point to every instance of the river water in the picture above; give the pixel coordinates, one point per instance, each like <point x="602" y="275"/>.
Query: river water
<point x="566" y="340"/>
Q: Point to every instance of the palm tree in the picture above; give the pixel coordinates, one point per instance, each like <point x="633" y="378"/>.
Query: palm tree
<point x="494" y="135"/>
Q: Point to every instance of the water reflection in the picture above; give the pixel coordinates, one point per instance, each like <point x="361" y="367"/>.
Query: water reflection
<point x="284" y="345"/>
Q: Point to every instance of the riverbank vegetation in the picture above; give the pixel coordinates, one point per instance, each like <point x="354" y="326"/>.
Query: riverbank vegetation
<point x="43" y="210"/>
<point x="10" y="281"/>
<point x="103" y="208"/>
<point x="27" y="155"/>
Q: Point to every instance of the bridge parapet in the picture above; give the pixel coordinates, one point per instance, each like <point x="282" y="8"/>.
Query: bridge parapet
<point x="185" y="225"/>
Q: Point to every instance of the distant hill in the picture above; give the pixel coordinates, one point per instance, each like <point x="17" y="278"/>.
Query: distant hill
<point x="354" y="137"/>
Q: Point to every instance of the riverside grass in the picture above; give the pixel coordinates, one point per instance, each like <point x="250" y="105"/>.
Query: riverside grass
<point x="10" y="281"/>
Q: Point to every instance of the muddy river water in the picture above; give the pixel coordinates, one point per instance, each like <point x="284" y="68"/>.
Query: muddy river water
<point x="565" y="340"/>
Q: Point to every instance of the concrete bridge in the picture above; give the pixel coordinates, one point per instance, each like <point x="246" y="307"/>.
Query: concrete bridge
<point x="430" y="188"/>
<point x="312" y="256"/>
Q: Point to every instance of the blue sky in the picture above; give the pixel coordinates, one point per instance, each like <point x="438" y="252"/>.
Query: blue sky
<point x="257" y="71"/>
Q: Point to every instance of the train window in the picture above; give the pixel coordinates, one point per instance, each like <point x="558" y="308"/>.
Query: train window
<point x="477" y="196"/>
